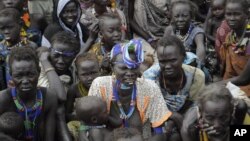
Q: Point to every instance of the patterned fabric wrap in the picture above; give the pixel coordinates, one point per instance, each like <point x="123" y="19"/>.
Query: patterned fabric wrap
<point x="134" y="45"/>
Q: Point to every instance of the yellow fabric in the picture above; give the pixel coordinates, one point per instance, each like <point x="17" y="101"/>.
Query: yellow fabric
<point x="203" y="136"/>
<point x="247" y="119"/>
<point x="74" y="127"/>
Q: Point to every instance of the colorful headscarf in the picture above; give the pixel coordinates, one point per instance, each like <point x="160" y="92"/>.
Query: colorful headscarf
<point x="134" y="45"/>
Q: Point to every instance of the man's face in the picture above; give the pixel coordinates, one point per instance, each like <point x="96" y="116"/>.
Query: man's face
<point x="62" y="56"/>
<point x="24" y="75"/>
<point x="10" y="29"/>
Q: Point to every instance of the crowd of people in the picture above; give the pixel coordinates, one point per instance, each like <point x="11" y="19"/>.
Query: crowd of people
<point x="123" y="70"/>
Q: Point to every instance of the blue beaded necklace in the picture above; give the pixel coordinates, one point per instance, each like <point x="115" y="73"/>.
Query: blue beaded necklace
<point x="123" y="115"/>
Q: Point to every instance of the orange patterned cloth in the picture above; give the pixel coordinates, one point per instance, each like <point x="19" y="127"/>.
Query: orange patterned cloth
<point x="234" y="62"/>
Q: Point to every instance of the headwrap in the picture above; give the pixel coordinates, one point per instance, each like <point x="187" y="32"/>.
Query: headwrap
<point x="134" y="45"/>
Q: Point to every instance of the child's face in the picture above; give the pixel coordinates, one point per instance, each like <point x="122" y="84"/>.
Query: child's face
<point x="11" y="3"/>
<point x="69" y="14"/>
<point x="218" y="115"/>
<point x="25" y="75"/>
<point x="235" y="15"/>
<point x="111" y="31"/>
<point x="218" y="9"/>
<point x="87" y="71"/>
<point x="181" y="16"/>
<point x="10" y="29"/>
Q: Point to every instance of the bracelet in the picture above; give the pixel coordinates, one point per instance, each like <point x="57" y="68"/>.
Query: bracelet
<point x="150" y="40"/>
<point x="49" y="69"/>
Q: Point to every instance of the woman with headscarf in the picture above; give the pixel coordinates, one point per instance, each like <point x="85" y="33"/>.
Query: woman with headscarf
<point x="136" y="102"/>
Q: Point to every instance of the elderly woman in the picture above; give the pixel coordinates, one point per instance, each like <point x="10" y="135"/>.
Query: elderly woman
<point x="136" y="102"/>
<point x="207" y="121"/>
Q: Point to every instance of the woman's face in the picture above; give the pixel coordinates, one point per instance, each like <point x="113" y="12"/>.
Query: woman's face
<point x="181" y="16"/>
<point x="235" y="16"/>
<point x="170" y="60"/>
<point x="122" y="72"/>
<point x="69" y="14"/>
<point x="218" y="115"/>
<point x="62" y="56"/>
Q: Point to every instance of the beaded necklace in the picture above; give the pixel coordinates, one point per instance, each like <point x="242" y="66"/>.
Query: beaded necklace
<point x="29" y="114"/>
<point x="123" y="115"/>
<point x="82" y="90"/>
<point x="184" y="38"/>
<point x="165" y="85"/>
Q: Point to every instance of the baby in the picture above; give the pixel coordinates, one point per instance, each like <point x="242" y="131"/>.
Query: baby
<point x="96" y="124"/>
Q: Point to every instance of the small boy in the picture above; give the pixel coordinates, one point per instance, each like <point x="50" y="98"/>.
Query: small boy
<point x="10" y="27"/>
<point x="11" y="124"/>
<point x="126" y="134"/>
<point x="92" y="111"/>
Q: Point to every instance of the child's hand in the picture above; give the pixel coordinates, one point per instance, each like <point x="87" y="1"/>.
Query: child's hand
<point x="94" y="30"/>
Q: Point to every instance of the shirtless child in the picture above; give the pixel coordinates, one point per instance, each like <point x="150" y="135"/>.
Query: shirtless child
<point x="25" y="96"/>
<point x="96" y="122"/>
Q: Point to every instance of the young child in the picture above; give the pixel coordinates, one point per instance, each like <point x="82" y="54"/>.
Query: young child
<point x="110" y="32"/>
<point x="126" y="134"/>
<point x="87" y="69"/>
<point x="94" y="117"/>
<point x="217" y="16"/>
<point x="10" y="27"/>
<point x="11" y="124"/>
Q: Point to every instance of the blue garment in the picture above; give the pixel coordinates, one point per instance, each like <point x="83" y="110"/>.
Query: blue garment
<point x="173" y="102"/>
<point x="4" y="69"/>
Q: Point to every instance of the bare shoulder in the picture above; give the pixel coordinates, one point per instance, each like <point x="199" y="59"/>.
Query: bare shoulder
<point x="5" y="100"/>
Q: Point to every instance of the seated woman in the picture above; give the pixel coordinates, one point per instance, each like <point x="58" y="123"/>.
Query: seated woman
<point x="234" y="52"/>
<point x="207" y="121"/>
<point x="180" y="84"/>
<point x="36" y="105"/>
<point x="68" y="14"/>
<point x="137" y="102"/>
<point x="192" y="36"/>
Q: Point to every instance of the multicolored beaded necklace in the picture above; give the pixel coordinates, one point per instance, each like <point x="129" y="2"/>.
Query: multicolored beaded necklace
<point x="123" y="115"/>
<point x="29" y="114"/>
<point x="184" y="38"/>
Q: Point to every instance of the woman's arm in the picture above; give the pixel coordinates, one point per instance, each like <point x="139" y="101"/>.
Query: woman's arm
<point x="200" y="47"/>
<point x="71" y="95"/>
